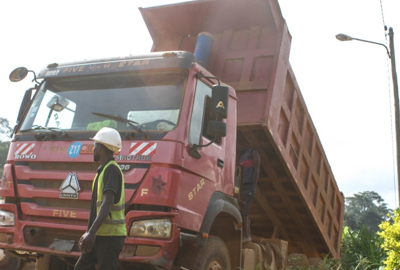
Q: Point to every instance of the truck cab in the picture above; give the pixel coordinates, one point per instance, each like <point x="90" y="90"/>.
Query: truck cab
<point x="161" y="104"/>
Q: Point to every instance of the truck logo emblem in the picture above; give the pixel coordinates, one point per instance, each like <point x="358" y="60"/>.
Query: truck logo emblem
<point x="220" y="105"/>
<point x="70" y="187"/>
<point x="158" y="185"/>
<point x="25" y="151"/>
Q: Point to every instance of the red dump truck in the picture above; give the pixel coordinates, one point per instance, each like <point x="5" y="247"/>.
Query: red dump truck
<point x="181" y="111"/>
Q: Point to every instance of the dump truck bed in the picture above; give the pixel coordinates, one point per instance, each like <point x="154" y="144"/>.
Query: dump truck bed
<point x="298" y="199"/>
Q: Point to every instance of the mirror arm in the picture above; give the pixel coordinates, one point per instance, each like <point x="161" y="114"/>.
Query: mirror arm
<point x="34" y="77"/>
<point x="48" y="117"/>
<point x="193" y="149"/>
<point x="201" y="75"/>
<point x="205" y="145"/>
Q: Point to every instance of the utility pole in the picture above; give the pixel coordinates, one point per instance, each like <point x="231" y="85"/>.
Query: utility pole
<point x="396" y="105"/>
<point x="390" y="52"/>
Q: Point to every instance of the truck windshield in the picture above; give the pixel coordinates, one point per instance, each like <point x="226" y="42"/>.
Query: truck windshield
<point x="138" y="101"/>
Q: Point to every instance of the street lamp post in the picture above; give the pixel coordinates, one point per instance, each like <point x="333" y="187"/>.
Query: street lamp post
<point x="390" y="52"/>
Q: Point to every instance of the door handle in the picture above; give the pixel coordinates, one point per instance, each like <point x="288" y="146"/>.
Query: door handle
<point x="220" y="163"/>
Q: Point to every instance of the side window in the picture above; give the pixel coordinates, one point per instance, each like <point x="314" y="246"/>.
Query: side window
<point x="207" y="118"/>
<point x="201" y="111"/>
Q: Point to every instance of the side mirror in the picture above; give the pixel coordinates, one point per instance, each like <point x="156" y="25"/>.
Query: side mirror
<point x="216" y="128"/>
<point x="219" y="101"/>
<point x="57" y="103"/>
<point x="18" y="74"/>
<point x="219" y="110"/>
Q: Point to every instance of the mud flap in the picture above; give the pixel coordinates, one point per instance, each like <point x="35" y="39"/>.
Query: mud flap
<point x="62" y="245"/>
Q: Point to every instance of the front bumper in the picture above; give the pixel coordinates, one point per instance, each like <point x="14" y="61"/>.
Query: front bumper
<point x="30" y="237"/>
<point x="159" y="252"/>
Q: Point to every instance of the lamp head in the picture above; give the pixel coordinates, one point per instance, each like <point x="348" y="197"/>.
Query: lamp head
<point x="343" y="37"/>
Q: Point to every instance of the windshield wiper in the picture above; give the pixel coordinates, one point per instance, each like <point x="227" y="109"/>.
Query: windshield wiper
<point x="121" y="119"/>
<point x="53" y="130"/>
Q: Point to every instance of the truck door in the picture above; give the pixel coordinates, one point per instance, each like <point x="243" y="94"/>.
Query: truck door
<point x="210" y="164"/>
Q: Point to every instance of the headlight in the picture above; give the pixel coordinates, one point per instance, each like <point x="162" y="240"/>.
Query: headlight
<point x="6" y="218"/>
<point x="153" y="228"/>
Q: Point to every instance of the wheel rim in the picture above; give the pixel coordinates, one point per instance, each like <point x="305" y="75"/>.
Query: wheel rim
<point x="215" y="265"/>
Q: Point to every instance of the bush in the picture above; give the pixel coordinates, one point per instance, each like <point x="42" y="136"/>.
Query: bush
<point x="361" y="249"/>
<point x="390" y="232"/>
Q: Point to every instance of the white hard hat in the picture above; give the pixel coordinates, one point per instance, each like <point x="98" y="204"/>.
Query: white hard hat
<point x="109" y="137"/>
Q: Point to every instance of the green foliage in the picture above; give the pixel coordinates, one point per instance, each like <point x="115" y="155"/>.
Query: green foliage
<point x="361" y="249"/>
<point x="390" y="232"/>
<point x="329" y="263"/>
<point x="326" y="263"/>
<point x="4" y="146"/>
<point x="5" y="126"/>
<point x="5" y="129"/>
<point x="365" y="209"/>
<point x="335" y="264"/>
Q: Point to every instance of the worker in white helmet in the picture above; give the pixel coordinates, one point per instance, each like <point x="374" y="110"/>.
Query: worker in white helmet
<point x="106" y="231"/>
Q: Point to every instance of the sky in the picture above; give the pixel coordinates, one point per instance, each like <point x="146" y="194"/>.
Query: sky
<point x="347" y="86"/>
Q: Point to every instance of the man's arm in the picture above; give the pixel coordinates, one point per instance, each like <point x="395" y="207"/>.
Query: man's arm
<point x="87" y="240"/>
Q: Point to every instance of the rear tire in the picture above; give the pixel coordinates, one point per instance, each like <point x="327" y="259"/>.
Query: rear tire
<point x="213" y="256"/>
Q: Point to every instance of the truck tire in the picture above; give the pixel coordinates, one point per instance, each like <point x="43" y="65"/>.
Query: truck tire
<point x="213" y="256"/>
<point x="11" y="263"/>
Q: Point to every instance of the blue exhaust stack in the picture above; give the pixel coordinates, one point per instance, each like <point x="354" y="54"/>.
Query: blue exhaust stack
<point x="203" y="48"/>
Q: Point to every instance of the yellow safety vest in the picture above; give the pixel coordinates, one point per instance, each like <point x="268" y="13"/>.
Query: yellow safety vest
<point x="114" y="226"/>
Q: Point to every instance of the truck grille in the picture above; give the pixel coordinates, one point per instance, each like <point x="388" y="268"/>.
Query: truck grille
<point x="59" y="166"/>
<point x="52" y="184"/>
<point x="38" y="190"/>
<point x="72" y="204"/>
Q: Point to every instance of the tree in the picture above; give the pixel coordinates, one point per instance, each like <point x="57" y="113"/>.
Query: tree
<point x="365" y="209"/>
<point x="4" y="146"/>
<point x="5" y="126"/>
<point x="5" y="131"/>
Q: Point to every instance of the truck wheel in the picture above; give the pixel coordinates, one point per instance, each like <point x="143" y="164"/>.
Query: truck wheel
<point x="11" y="263"/>
<point x="213" y="256"/>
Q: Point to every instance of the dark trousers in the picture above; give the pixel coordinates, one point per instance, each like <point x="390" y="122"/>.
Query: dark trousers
<point x="105" y="253"/>
<point x="246" y="211"/>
